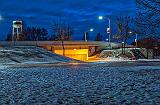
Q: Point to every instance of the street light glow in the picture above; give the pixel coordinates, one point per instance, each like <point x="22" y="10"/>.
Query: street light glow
<point x="100" y="17"/>
<point x="91" y="30"/>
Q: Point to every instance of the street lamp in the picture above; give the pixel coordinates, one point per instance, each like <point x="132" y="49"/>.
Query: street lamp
<point x="109" y="27"/>
<point x="85" y="34"/>
<point x="107" y="40"/>
<point x="123" y="48"/>
<point x="135" y="38"/>
<point x="100" y="17"/>
<point x="91" y="30"/>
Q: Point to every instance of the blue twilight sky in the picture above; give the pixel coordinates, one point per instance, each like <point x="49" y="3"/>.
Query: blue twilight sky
<point x="81" y="14"/>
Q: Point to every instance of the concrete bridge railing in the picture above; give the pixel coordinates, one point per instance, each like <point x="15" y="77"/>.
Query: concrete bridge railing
<point x="56" y="43"/>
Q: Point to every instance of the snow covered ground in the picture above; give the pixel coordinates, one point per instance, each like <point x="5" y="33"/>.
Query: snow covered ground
<point x="112" y="83"/>
<point x="29" y="55"/>
<point x="34" y="76"/>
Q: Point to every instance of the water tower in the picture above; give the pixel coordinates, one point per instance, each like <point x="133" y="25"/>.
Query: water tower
<point x="17" y="30"/>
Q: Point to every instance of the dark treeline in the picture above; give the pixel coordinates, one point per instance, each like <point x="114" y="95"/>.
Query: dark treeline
<point x="60" y="32"/>
<point x="31" y="34"/>
<point x="34" y="34"/>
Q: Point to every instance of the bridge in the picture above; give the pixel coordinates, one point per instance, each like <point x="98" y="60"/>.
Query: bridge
<point x="79" y="50"/>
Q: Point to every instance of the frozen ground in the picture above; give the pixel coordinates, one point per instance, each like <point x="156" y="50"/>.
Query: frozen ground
<point x="112" y="83"/>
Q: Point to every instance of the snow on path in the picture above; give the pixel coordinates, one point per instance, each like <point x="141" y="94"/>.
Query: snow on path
<point x="100" y="84"/>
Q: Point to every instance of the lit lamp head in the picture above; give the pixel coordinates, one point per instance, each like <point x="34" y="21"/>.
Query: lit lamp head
<point x="91" y="30"/>
<point x="100" y="17"/>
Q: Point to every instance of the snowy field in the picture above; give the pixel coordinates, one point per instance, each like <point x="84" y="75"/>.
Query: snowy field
<point x="112" y="83"/>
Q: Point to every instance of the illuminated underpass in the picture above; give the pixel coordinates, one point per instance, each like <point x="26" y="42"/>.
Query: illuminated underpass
<point x="78" y="50"/>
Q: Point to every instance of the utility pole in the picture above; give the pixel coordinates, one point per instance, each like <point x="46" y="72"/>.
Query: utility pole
<point x="109" y="31"/>
<point x="85" y="36"/>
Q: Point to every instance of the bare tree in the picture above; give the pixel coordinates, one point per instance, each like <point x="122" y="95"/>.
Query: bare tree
<point x="124" y="26"/>
<point x="62" y="32"/>
<point x="148" y="21"/>
<point x="148" y="17"/>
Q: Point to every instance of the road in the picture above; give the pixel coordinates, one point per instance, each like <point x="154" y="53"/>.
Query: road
<point x="111" y="83"/>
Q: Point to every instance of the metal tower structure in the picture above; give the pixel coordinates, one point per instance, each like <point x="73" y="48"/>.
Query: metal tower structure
<point x="17" y="30"/>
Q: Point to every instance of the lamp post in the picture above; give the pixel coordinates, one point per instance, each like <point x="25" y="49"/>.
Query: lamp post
<point x="135" y="40"/>
<point x="109" y="27"/>
<point x="85" y="34"/>
<point x="123" y="48"/>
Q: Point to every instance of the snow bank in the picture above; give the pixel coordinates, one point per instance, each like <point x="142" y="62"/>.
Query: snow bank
<point x="116" y="55"/>
<point x="29" y="55"/>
